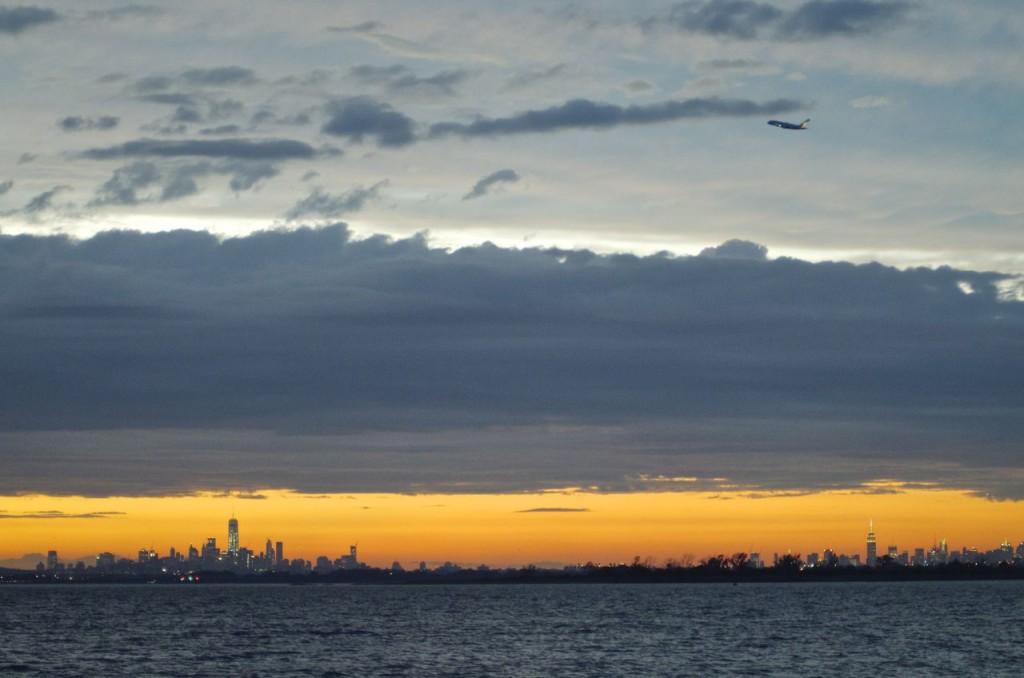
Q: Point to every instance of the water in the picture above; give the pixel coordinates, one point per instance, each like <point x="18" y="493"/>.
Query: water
<point x="579" y="630"/>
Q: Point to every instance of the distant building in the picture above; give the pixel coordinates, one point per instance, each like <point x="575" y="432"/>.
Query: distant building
<point x="233" y="538"/>
<point x="938" y="555"/>
<point x="51" y="561"/>
<point x="245" y="558"/>
<point x="210" y="555"/>
<point x="349" y="562"/>
<point x="872" y="547"/>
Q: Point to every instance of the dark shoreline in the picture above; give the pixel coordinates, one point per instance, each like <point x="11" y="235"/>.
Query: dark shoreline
<point x="590" y="575"/>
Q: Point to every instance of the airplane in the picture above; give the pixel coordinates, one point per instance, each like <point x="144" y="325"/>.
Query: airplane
<point x="789" y="125"/>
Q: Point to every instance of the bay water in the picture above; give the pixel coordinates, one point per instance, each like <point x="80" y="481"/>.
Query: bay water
<point x="963" y="628"/>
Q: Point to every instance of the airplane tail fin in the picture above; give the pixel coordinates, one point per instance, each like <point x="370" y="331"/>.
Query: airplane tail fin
<point x="803" y="125"/>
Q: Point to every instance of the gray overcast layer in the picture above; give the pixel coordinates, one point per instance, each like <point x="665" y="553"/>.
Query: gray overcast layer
<point x="310" y="360"/>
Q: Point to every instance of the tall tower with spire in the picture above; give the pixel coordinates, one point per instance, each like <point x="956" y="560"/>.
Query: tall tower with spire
<point x="872" y="548"/>
<point x="233" y="537"/>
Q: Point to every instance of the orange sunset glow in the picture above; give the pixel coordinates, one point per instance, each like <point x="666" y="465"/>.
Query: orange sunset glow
<point x="510" y="529"/>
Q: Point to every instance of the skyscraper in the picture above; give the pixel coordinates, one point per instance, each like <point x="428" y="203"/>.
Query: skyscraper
<point x="233" y="537"/>
<point x="872" y="552"/>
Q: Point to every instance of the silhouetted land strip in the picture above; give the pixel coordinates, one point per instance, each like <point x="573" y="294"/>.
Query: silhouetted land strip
<point x="603" y="574"/>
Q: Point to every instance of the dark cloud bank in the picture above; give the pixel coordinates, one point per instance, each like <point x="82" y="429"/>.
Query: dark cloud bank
<point x="170" y="362"/>
<point x="78" y="123"/>
<point x="15" y="20"/>
<point x="360" y="118"/>
<point x="814" y="20"/>
<point x="586" y="114"/>
<point x="237" y="149"/>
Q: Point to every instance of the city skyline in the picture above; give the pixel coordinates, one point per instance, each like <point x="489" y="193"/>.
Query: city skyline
<point x="561" y="528"/>
<point x="209" y="557"/>
<point x="505" y="282"/>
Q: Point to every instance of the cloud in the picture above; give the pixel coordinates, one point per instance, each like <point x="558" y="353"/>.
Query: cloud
<point x="171" y="98"/>
<point x="255" y="496"/>
<point x="741" y="19"/>
<point x="124" y="186"/>
<point x="441" y="83"/>
<point x="743" y="66"/>
<point x="813" y="20"/>
<point x="225" y="130"/>
<point x="238" y="149"/>
<point x="245" y="174"/>
<point x="365" y="27"/>
<point x="309" y="359"/>
<point x="219" y="76"/>
<point x="145" y="182"/>
<point x="402" y="80"/>
<point x="736" y="249"/>
<point x="323" y="205"/>
<point x="361" y="117"/>
<point x="530" y="78"/>
<point x="44" y="200"/>
<point x="268" y="118"/>
<point x="190" y="109"/>
<point x="6" y="186"/>
<point x="586" y="114"/>
<point x="15" y="20"/>
<point x="638" y="86"/>
<point x="77" y="123"/>
<point x="153" y="83"/>
<point x="196" y="94"/>
<point x="59" y="515"/>
<point x="485" y="184"/>
<point x="216" y="76"/>
<point x="181" y="181"/>
<point x="371" y="31"/>
<point x="555" y="510"/>
<point x="825" y="18"/>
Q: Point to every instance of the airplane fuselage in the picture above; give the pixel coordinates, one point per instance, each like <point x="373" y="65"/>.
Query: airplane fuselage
<point x="789" y="125"/>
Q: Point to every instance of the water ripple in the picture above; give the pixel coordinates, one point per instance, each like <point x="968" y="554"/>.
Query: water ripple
<point x="918" y="628"/>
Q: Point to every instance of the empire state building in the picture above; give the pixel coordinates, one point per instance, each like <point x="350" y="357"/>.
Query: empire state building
<point x="872" y="549"/>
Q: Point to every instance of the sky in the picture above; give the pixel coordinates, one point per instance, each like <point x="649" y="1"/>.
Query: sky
<point x="542" y="257"/>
